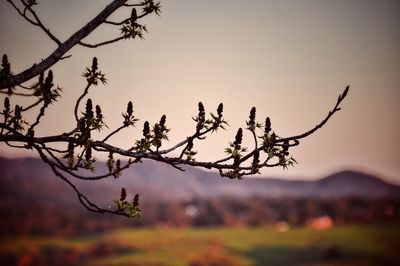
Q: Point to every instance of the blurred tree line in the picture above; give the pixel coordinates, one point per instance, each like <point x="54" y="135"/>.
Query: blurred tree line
<point x="42" y="219"/>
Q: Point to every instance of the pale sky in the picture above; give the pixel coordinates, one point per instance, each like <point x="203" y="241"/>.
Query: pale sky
<point x="289" y="59"/>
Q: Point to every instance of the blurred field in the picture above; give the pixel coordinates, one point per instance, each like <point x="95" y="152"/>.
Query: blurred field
<point x="339" y="246"/>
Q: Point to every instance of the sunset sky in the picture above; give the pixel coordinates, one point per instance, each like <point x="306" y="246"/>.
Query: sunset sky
<point x="289" y="59"/>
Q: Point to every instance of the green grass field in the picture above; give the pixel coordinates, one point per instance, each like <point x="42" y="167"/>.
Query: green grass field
<point x="342" y="246"/>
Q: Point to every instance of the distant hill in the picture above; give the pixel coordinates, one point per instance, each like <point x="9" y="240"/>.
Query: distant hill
<point x="30" y="179"/>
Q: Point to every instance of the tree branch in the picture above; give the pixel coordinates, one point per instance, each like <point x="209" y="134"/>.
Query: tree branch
<point x="39" y="23"/>
<point x="75" y="160"/>
<point x="102" y="43"/>
<point x="62" y="49"/>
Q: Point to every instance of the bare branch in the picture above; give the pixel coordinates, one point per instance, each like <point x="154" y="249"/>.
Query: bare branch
<point x="102" y="43"/>
<point x="76" y="160"/>
<point x="39" y="23"/>
<point x="323" y="122"/>
<point x="22" y="14"/>
<point x="62" y="49"/>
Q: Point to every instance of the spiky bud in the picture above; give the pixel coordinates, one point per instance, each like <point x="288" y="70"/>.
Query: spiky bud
<point x="5" y="65"/>
<point x="49" y="77"/>
<point x="89" y="109"/>
<point x="123" y="194"/>
<point x="163" y="121"/>
<point x="4" y="60"/>
<point x="201" y="108"/>
<point x="133" y="15"/>
<point x="252" y="115"/>
<point x="39" y="87"/>
<point x="135" y="202"/>
<point x="129" y="109"/>
<point x="99" y="115"/>
<point x="157" y="131"/>
<point x="118" y="165"/>
<point x="146" y="129"/>
<point x="267" y="128"/>
<point x="239" y="136"/>
<point x="17" y="112"/>
<point x="220" y="110"/>
<point x="94" y="65"/>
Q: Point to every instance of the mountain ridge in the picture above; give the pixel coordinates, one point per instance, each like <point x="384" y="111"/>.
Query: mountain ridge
<point x="32" y="179"/>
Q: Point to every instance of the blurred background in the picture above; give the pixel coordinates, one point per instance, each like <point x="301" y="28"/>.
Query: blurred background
<point x="289" y="59"/>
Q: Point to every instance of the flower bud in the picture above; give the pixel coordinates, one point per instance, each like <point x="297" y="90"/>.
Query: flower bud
<point x="133" y="15"/>
<point x="239" y="136"/>
<point x="99" y="115"/>
<point x="146" y="129"/>
<point x="123" y="194"/>
<point x="163" y="121"/>
<point x="201" y="108"/>
<point x="267" y="128"/>
<point x="89" y="109"/>
<point x="135" y="201"/>
<point x="129" y="109"/>
<point x="220" y="109"/>
<point x="252" y="114"/>
<point x="94" y="65"/>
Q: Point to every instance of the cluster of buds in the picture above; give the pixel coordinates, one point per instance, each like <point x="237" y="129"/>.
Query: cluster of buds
<point x="131" y="209"/>
<point x="268" y="138"/>
<point x="201" y="118"/>
<point x="219" y="121"/>
<point x="144" y="144"/>
<point x="150" y="7"/>
<point x="85" y="123"/>
<point x="159" y="132"/>
<point x="90" y="121"/>
<point x="131" y="29"/>
<point x="235" y="148"/>
<point x="93" y="75"/>
<point x="129" y="118"/>
<point x="89" y="160"/>
<point x="98" y="121"/>
<point x="154" y="137"/>
<point x="44" y="88"/>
